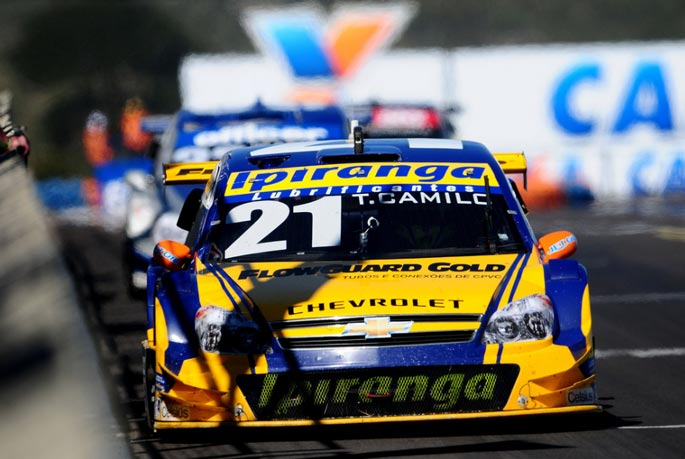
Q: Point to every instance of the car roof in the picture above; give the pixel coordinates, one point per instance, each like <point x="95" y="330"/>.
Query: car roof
<point x="286" y="114"/>
<point x="295" y="114"/>
<point x="300" y="122"/>
<point x="402" y="120"/>
<point x="298" y="154"/>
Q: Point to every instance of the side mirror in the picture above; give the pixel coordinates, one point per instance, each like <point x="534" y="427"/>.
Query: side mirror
<point x="189" y="209"/>
<point x="559" y="244"/>
<point x="170" y="255"/>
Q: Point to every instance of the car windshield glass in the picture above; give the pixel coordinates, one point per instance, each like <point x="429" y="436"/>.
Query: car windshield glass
<point x="176" y="195"/>
<point x="400" y="224"/>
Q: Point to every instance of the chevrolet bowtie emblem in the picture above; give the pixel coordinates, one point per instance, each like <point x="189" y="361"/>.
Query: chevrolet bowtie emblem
<point x="377" y="327"/>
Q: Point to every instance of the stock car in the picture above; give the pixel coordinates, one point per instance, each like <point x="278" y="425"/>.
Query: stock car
<point x="153" y="208"/>
<point x="396" y="119"/>
<point x="362" y="281"/>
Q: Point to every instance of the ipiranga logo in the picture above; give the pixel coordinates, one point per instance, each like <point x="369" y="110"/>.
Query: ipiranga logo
<point x="356" y="175"/>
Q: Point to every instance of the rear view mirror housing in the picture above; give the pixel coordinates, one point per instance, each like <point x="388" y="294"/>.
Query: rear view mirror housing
<point x="189" y="210"/>
<point x="559" y="244"/>
<point x="170" y="255"/>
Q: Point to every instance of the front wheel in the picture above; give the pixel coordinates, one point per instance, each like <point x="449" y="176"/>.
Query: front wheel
<point x="149" y="385"/>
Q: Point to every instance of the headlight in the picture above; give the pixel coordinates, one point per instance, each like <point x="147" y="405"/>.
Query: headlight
<point x="527" y="319"/>
<point x="221" y="331"/>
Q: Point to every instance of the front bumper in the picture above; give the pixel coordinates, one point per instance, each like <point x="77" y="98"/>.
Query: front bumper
<point x="164" y="425"/>
<point x="522" y="386"/>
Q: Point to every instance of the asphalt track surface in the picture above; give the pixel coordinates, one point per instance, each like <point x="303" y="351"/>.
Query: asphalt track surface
<point x="635" y="256"/>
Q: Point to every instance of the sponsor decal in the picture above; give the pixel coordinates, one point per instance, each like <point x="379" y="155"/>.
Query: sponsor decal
<point x="347" y="178"/>
<point x="196" y="171"/>
<point x="374" y="302"/>
<point x="253" y="133"/>
<point x="406" y="197"/>
<point x="561" y="244"/>
<point x="167" y="255"/>
<point x="384" y="194"/>
<point x="169" y="411"/>
<point x="379" y="391"/>
<point x="305" y="270"/>
<point x="585" y="396"/>
<point x="161" y="383"/>
<point x="461" y="267"/>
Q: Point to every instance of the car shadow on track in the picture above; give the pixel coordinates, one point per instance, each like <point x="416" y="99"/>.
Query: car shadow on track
<point x="470" y="427"/>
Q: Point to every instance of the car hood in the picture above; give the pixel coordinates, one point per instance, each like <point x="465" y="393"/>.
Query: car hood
<point x="286" y="291"/>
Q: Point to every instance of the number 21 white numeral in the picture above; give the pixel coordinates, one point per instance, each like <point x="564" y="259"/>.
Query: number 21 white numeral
<point x="326" y="226"/>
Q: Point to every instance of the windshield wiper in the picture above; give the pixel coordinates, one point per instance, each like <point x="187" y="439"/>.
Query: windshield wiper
<point x="509" y="247"/>
<point x="490" y="235"/>
<point x="372" y="223"/>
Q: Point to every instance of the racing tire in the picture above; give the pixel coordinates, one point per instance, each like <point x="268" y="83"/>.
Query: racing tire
<point x="149" y="386"/>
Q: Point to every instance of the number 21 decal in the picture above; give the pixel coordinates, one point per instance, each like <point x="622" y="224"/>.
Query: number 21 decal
<point x="326" y="226"/>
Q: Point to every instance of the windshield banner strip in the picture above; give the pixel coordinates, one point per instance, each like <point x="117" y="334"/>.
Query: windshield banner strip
<point x="354" y="175"/>
<point x="365" y="190"/>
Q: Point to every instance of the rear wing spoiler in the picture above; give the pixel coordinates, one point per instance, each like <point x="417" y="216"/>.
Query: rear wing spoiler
<point x="188" y="173"/>
<point x="514" y="163"/>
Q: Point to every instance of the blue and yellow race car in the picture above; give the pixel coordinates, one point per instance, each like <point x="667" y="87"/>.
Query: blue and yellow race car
<point x="363" y="280"/>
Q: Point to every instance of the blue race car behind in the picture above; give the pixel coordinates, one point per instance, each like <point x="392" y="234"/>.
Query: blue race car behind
<point x="153" y="207"/>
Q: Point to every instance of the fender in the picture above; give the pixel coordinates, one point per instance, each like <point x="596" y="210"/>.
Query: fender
<point x="566" y="282"/>
<point x="179" y="300"/>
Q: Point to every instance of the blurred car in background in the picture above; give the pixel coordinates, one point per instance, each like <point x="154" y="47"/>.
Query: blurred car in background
<point x="392" y="120"/>
<point x="153" y="207"/>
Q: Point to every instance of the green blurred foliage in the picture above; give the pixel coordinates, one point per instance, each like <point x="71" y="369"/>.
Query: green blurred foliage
<point x="94" y="55"/>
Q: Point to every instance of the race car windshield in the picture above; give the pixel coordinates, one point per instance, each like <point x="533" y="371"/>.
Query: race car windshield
<point x="367" y="225"/>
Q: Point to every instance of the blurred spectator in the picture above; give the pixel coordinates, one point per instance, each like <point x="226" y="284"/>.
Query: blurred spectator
<point x="96" y="139"/>
<point x="12" y="138"/>
<point x="133" y="137"/>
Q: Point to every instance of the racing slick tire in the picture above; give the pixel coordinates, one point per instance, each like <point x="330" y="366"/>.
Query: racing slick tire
<point x="149" y="385"/>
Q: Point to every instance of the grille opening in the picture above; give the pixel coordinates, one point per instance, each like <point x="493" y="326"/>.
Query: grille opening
<point x="461" y="336"/>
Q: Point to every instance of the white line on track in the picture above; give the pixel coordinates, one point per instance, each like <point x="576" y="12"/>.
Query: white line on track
<point x="637" y="298"/>
<point x="674" y="426"/>
<point x="640" y="353"/>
